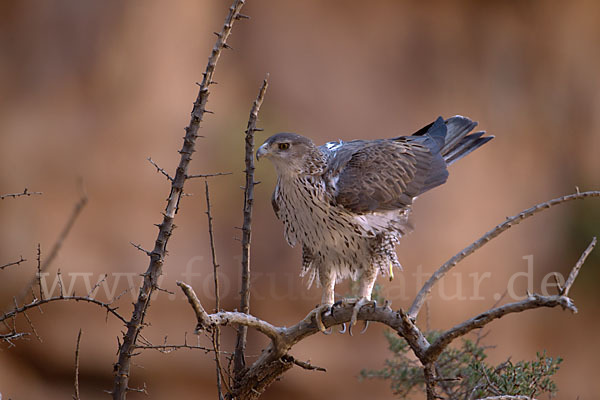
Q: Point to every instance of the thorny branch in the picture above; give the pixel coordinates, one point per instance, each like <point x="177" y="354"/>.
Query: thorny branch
<point x="134" y="325"/>
<point x="510" y="222"/>
<point x="275" y="358"/>
<point x="25" y="192"/>
<point x="39" y="302"/>
<point x="239" y="362"/>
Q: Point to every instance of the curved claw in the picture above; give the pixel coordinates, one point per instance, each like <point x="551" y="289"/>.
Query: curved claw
<point x="343" y="330"/>
<point x="365" y="328"/>
<point x="327" y="331"/>
<point x="319" y="320"/>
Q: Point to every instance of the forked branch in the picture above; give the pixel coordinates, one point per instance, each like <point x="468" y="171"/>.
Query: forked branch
<point x="470" y="249"/>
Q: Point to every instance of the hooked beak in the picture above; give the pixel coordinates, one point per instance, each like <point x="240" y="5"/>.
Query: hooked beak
<point x="262" y="151"/>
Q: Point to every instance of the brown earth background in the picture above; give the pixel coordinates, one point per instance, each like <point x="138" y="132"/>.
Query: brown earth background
<point x="90" y="89"/>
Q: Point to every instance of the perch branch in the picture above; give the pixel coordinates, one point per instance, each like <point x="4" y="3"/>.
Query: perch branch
<point x="25" y="192"/>
<point x="275" y="360"/>
<point x="123" y="366"/>
<point x="238" y="356"/>
<point x="510" y="222"/>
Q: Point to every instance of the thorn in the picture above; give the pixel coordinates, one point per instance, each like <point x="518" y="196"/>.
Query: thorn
<point x="225" y="45"/>
<point x="258" y="129"/>
<point x="241" y="16"/>
<point x="209" y="112"/>
<point x="218" y="34"/>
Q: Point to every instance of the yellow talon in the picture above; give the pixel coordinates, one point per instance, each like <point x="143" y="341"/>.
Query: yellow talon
<point x="391" y="272"/>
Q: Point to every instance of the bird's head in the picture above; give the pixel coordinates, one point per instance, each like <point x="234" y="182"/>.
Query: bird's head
<point x="292" y="154"/>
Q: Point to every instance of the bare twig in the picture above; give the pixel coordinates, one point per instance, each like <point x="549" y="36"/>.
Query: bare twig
<point x="212" y="247"/>
<point x="216" y="335"/>
<point x="507" y="397"/>
<point x="238" y="358"/>
<point x="76" y="396"/>
<point x="565" y="289"/>
<point x="25" y="192"/>
<point x="168" y="348"/>
<point x="39" y="302"/>
<point x="510" y="222"/>
<point x="159" y="169"/>
<point x="207" y="175"/>
<point x="18" y="262"/>
<point x="303" y="364"/>
<point x="123" y="365"/>
<point x="57" y="245"/>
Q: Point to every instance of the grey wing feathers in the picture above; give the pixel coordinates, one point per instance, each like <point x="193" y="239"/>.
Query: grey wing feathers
<point x="383" y="174"/>
<point x="387" y="174"/>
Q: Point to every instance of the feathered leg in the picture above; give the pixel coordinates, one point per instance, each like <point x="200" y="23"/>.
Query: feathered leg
<point x="366" y="282"/>
<point x="327" y="279"/>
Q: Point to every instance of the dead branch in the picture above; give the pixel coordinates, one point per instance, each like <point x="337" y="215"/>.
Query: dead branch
<point x="25" y="192"/>
<point x="18" y="262"/>
<point x="507" y="397"/>
<point x="510" y="222"/>
<point x="239" y="362"/>
<point x="575" y="271"/>
<point x="159" y="169"/>
<point x="216" y="335"/>
<point x="207" y="175"/>
<point x="531" y="302"/>
<point x="134" y="325"/>
<point x="168" y="348"/>
<point x="76" y="396"/>
<point x="57" y="245"/>
<point x="39" y="302"/>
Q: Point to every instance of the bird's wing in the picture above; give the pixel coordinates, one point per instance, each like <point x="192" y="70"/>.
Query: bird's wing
<point x="383" y="175"/>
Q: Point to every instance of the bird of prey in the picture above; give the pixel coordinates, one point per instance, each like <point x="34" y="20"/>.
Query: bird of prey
<point x="347" y="203"/>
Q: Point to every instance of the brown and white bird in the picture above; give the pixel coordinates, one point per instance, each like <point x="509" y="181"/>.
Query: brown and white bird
<point x="347" y="203"/>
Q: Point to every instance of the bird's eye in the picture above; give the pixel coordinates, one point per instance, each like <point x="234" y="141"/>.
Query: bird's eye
<point x="283" y="146"/>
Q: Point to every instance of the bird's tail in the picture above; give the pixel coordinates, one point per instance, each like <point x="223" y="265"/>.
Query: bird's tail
<point x="458" y="142"/>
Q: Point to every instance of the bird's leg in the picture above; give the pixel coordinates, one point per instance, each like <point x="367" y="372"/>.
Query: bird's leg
<point x="366" y="283"/>
<point x="328" y="283"/>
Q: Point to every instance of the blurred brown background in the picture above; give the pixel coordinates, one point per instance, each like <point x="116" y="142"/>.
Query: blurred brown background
<point x="90" y="89"/>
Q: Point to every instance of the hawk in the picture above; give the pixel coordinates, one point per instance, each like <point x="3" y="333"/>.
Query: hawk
<point x="347" y="203"/>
